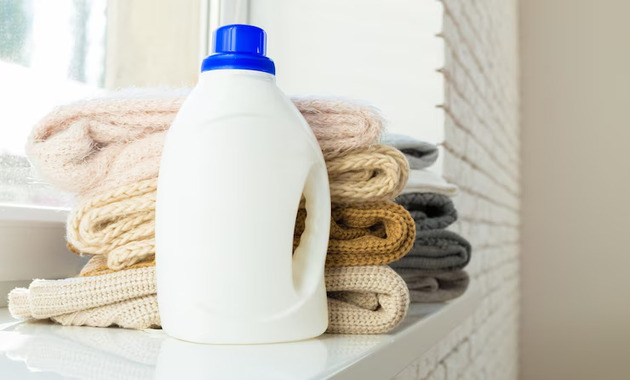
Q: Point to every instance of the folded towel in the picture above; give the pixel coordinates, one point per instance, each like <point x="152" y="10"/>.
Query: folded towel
<point x="420" y="154"/>
<point x="120" y="224"/>
<point x="434" y="286"/>
<point x="101" y="297"/>
<point x="436" y="250"/>
<point x="365" y="234"/>
<point x="370" y="174"/>
<point x="98" y="144"/>
<point x="348" y="310"/>
<point x="424" y="181"/>
<point x="430" y="211"/>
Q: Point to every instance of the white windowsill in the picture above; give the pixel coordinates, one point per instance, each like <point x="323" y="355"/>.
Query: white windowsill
<point x="44" y="350"/>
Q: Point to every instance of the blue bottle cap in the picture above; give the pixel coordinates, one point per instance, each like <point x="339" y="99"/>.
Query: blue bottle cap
<point x="240" y="47"/>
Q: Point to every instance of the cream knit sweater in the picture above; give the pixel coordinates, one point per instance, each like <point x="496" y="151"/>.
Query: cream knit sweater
<point x="361" y="299"/>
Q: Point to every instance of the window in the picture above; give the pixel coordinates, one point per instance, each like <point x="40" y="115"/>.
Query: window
<point x="50" y="52"/>
<point x="55" y="52"/>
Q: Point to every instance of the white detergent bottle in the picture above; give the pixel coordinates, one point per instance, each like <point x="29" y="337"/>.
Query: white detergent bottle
<point x="236" y="161"/>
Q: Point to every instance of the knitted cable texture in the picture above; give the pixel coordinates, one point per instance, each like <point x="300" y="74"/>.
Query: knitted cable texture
<point x="98" y="144"/>
<point x="367" y="175"/>
<point x="362" y="299"/>
<point x="365" y="234"/>
<point x="120" y="224"/>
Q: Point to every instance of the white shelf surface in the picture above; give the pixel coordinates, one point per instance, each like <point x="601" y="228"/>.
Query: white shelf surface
<point x="43" y="350"/>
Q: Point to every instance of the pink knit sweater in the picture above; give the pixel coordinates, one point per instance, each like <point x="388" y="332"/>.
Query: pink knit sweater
<point x="99" y="144"/>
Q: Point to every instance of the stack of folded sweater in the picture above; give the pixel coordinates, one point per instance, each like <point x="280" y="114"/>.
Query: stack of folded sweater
<point x="433" y="268"/>
<point x="106" y="151"/>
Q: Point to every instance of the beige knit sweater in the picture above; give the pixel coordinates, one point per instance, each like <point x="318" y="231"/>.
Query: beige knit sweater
<point x="120" y="225"/>
<point x="361" y="299"/>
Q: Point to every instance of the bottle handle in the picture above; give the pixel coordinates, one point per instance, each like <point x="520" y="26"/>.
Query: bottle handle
<point x="310" y="256"/>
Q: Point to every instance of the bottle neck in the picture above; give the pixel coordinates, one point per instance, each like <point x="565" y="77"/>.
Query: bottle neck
<point x="253" y="74"/>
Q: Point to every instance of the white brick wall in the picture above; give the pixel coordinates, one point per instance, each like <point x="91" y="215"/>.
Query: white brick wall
<point x="481" y="155"/>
